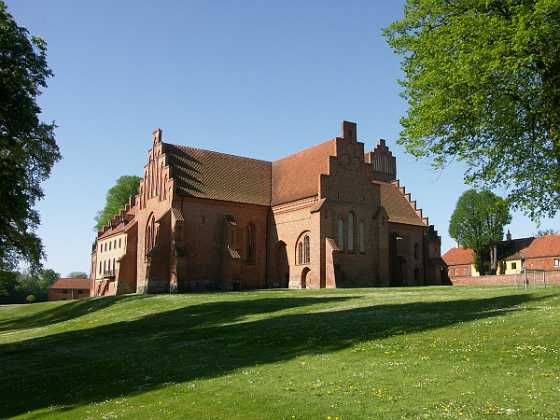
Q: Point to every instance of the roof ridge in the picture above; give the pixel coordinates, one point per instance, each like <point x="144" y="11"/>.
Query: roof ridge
<point x="218" y="153"/>
<point x="304" y="150"/>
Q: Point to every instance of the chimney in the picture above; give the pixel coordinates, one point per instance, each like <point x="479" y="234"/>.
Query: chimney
<point x="508" y="235"/>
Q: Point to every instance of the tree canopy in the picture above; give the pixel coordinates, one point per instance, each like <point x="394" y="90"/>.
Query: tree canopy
<point x="28" y="149"/>
<point x="117" y="197"/>
<point x="482" y="82"/>
<point x="17" y="287"/>
<point x="478" y="223"/>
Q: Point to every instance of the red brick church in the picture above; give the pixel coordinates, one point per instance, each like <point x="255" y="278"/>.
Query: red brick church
<point x="328" y="216"/>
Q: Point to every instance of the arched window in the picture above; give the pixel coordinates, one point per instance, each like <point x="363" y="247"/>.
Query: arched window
<point x="341" y="233"/>
<point x="150" y="234"/>
<point x="251" y="243"/>
<point x="303" y="249"/>
<point x="351" y="232"/>
<point x="362" y="234"/>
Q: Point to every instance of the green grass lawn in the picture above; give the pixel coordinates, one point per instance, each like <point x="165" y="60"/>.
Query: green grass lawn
<point x="460" y="352"/>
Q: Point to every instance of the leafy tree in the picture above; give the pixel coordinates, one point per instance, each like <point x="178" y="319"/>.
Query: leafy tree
<point x="36" y="283"/>
<point x="545" y="232"/>
<point x="478" y="223"/>
<point x="482" y="81"/>
<point x="8" y="283"/>
<point x="117" y="197"/>
<point x="28" y="149"/>
<point x="78" y="275"/>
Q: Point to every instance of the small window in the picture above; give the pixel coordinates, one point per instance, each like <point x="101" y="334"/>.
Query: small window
<point x="351" y="232"/>
<point x="120" y="242"/>
<point x="100" y="267"/>
<point x="362" y="237"/>
<point x="513" y="266"/>
<point x="115" y="244"/>
<point x="341" y="233"/>
<point x="109" y="245"/>
<point x="251" y="243"/>
<point x="306" y="250"/>
<point x="556" y="262"/>
<point x="300" y="253"/>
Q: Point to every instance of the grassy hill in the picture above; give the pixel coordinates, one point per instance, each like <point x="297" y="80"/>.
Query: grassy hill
<point x="376" y="353"/>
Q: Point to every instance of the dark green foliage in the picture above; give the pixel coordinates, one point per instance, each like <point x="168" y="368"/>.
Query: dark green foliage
<point x="478" y="222"/>
<point x="482" y="81"/>
<point x="17" y="287"/>
<point x="28" y="149"/>
<point x="117" y="197"/>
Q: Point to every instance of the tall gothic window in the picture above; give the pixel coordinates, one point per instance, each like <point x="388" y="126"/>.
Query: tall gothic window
<point x="150" y="234"/>
<point x="362" y="234"/>
<point x="251" y="243"/>
<point x="351" y="232"/>
<point x="341" y="233"/>
<point x="303" y="249"/>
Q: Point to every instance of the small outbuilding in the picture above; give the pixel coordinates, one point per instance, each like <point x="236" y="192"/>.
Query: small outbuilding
<point x="69" y="288"/>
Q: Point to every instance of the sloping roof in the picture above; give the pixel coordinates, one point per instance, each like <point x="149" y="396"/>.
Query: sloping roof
<point x="543" y="246"/>
<point x="513" y="249"/>
<point x="219" y="176"/>
<point x="297" y="176"/>
<point x="113" y="231"/>
<point x="397" y="206"/>
<point x="70" y="283"/>
<point x="458" y="256"/>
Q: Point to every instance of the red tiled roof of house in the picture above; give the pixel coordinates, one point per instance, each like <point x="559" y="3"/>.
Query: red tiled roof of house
<point x="70" y="283"/>
<point x="458" y="256"/>
<point x="219" y="176"/>
<point x="297" y="176"/>
<point x="397" y="206"/>
<point x="543" y="246"/>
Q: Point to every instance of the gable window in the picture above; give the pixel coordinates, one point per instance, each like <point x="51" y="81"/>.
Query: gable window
<point x="303" y="249"/>
<point x="362" y="237"/>
<point x="341" y="233"/>
<point x="251" y="242"/>
<point x="120" y="242"/>
<point x="351" y="232"/>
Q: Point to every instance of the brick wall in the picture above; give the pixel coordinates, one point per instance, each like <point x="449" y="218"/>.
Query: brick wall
<point x="552" y="277"/>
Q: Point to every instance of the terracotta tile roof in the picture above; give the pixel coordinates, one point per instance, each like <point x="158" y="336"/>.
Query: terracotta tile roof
<point x="70" y="283"/>
<point x="297" y="176"/>
<point x="110" y="232"/>
<point x="219" y="176"/>
<point x="397" y="206"/>
<point x="543" y="246"/>
<point x="458" y="256"/>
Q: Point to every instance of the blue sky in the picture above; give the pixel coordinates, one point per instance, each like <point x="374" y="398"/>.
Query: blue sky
<point x="258" y="79"/>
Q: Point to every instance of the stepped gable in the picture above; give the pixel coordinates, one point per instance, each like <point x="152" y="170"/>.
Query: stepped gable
<point x="297" y="176"/>
<point x="218" y="176"/>
<point x="399" y="206"/>
<point x="383" y="163"/>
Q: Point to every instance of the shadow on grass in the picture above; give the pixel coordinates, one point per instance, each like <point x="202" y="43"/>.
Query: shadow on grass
<point x="207" y="340"/>
<point x="63" y="312"/>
